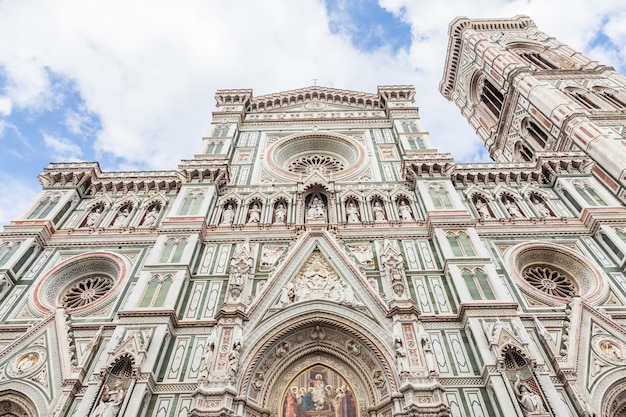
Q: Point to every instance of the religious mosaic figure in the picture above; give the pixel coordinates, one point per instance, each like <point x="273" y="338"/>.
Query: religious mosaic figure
<point x="255" y="214"/>
<point x="280" y="214"/>
<point x="319" y="391"/>
<point x="316" y="210"/>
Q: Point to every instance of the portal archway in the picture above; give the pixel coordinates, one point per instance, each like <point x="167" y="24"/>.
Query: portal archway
<point x="320" y="341"/>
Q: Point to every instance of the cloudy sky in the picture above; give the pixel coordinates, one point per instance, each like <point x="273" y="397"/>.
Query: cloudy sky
<point x="131" y="83"/>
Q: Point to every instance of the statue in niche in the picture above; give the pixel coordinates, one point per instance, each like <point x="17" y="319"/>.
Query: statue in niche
<point x="240" y="269"/>
<point x="528" y="400"/>
<point x="233" y="361"/>
<point x="93" y="216"/>
<point x="317" y="209"/>
<point x="482" y="208"/>
<point x="255" y="214"/>
<point x="122" y="216"/>
<point x="229" y="214"/>
<point x="280" y="214"/>
<point x="110" y="402"/>
<point x="541" y="206"/>
<point x="511" y="207"/>
<point x="405" y="211"/>
<point x="206" y="362"/>
<point x="430" y="356"/>
<point x="151" y="215"/>
<point x="379" y="211"/>
<point x="352" y="211"/>
<point x="401" y="357"/>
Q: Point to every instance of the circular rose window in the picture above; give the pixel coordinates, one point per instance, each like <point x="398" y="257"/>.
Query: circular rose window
<point x="323" y="153"/>
<point x="80" y="283"/>
<point x="551" y="272"/>
<point x="86" y="291"/>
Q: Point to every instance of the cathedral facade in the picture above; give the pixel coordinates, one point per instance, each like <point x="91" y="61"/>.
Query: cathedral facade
<point x="318" y="257"/>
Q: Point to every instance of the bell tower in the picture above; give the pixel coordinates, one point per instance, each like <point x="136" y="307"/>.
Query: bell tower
<point x="526" y="94"/>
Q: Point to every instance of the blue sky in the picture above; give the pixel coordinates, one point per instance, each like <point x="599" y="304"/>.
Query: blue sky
<point x="132" y="84"/>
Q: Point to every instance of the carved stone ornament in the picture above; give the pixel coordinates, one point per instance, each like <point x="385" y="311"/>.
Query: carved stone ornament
<point x="27" y="362"/>
<point x="609" y="348"/>
<point x="316" y="280"/>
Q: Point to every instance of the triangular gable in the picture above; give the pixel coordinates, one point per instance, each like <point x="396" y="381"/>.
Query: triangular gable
<point x="320" y="263"/>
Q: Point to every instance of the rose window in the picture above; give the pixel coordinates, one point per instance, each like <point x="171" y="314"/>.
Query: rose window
<point x="315" y="163"/>
<point x="86" y="291"/>
<point x="550" y="281"/>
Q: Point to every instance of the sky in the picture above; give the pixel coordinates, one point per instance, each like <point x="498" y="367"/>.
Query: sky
<point x="131" y="83"/>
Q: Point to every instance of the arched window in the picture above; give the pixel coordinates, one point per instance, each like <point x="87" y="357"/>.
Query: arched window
<point x="611" y="245"/>
<point x="582" y="97"/>
<point x="7" y="250"/>
<point x="439" y="196"/>
<point x="173" y="251"/>
<point x="477" y="284"/>
<point x="409" y="127"/>
<point x="415" y="143"/>
<point x="537" y="60"/>
<point x="492" y="98"/>
<point x="192" y="203"/>
<point x="536" y="135"/>
<point x="615" y="98"/>
<point x="589" y="194"/>
<point x="221" y="131"/>
<point x="460" y="243"/>
<point x="156" y="292"/>
<point x="44" y="207"/>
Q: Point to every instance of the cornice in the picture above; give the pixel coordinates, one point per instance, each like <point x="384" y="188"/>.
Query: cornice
<point x="455" y="31"/>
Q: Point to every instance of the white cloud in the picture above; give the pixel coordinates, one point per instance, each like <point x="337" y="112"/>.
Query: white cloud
<point x="62" y="149"/>
<point x="15" y="195"/>
<point x="5" y="106"/>
<point x="149" y="69"/>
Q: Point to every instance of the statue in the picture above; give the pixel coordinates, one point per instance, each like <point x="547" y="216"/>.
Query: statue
<point x="512" y="208"/>
<point x="233" y="361"/>
<point x="151" y="216"/>
<point x="111" y="402"/>
<point x="206" y="362"/>
<point x="121" y="217"/>
<point x="405" y="211"/>
<point x="482" y="208"/>
<point x="541" y="206"/>
<point x="379" y="212"/>
<point x="255" y="214"/>
<point x="528" y="400"/>
<point x="229" y="215"/>
<point x="280" y="215"/>
<point x="316" y="209"/>
<point x="401" y="358"/>
<point x="353" y="213"/>
<point x="93" y="215"/>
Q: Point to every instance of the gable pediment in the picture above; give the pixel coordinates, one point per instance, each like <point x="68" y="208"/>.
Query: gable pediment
<point x="317" y="268"/>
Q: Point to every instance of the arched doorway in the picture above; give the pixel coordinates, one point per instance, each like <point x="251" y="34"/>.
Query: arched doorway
<point x="13" y="404"/>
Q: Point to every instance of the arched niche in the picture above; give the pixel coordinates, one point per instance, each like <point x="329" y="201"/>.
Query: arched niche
<point x="324" y="342"/>
<point x="21" y="401"/>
